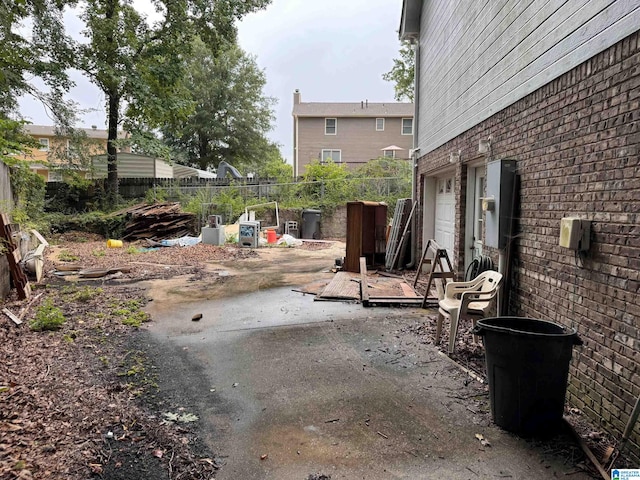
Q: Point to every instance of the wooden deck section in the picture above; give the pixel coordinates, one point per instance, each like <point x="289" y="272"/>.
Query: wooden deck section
<point x="344" y="286"/>
<point x="371" y="288"/>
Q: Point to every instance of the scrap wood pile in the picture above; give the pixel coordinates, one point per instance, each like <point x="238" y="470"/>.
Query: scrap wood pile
<point x="159" y="221"/>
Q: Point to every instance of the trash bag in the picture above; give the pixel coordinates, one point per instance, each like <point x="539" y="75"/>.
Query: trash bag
<point x="289" y="241"/>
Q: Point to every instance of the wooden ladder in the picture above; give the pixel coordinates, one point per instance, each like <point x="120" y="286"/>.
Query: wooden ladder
<point x="438" y="263"/>
<point x="20" y="281"/>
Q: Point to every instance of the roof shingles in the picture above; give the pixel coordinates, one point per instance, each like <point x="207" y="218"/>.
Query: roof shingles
<point x="360" y="109"/>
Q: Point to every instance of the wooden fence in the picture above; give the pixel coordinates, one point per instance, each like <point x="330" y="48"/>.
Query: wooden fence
<point x="6" y="205"/>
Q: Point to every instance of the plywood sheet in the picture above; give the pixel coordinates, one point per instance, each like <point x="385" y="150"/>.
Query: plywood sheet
<point x="344" y="286"/>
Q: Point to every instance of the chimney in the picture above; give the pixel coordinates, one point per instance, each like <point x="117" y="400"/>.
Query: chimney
<point x="296" y="97"/>
<point x="362" y="104"/>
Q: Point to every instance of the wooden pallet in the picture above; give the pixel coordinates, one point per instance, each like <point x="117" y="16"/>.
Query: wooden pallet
<point x="20" y="281"/>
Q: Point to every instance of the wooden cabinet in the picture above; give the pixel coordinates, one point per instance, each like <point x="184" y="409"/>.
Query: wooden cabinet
<point x="366" y="234"/>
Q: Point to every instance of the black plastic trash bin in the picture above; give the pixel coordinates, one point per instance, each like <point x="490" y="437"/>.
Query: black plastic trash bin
<point x="527" y="367"/>
<point x="311" y="224"/>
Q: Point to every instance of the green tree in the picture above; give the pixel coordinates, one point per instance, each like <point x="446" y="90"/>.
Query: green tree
<point x="272" y="165"/>
<point x="387" y="179"/>
<point x="232" y="115"/>
<point x="45" y="53"/>
<point x="140" y="66"/>
<point x="328" y="182"/>
<point x="13" y="140"/>
<point x="27" y="186"/>
<point x="403" y="72"/>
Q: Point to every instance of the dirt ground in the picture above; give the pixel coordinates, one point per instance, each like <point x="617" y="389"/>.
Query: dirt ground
<point x="83" y="401"/>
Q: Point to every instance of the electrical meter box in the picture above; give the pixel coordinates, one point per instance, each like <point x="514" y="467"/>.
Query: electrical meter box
<point x="248" y="234"/>
<point x="575" y="233"/>
<point x="501" y="197"/>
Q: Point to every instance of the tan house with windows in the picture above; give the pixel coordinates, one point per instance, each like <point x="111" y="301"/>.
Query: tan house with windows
<point x="48" y="160"/>
<point x="349" y="133"/>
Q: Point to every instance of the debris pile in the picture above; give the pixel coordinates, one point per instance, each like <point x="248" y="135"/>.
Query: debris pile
<point x="159" y="221"/>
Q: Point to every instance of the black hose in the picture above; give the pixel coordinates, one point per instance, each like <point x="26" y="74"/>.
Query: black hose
<point x="479" y="264"/>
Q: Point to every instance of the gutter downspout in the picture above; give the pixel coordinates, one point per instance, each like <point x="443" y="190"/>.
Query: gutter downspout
<point x="414" y="157"/>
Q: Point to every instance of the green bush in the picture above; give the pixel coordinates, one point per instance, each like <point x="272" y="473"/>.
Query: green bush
<point x="48" y="317"/>
<point x="104" y="224"/>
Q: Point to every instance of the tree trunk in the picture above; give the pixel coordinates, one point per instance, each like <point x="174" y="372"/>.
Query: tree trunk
<point x="112" y="152"/>
<point x="113" y="99"/>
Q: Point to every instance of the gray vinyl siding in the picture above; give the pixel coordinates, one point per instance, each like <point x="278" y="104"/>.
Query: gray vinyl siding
<point x="479" y="56"/>
<point x="357" y="139"/>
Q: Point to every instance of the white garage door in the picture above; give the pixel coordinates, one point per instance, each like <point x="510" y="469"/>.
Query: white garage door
<point x="445" y="214"/>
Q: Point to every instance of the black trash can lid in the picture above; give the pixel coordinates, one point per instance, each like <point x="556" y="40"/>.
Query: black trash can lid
<point x="525" y="326"/>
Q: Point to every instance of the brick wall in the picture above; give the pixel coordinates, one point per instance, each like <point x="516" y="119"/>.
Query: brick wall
<point x="577" y="142"/>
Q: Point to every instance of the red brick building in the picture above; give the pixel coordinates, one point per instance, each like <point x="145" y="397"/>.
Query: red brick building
<point x="554" y="87"/>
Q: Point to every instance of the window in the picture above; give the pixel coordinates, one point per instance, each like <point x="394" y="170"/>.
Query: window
<point x="55" y="176"/>
<point x="389" y="153"/>
<point x="407" y="126"/>
<point x="330" y="126"/>
<point x="449" y="185"/>
<point x="333" y="155"/>
<point x="379" y="124"/>
<point x="44" y="144"/>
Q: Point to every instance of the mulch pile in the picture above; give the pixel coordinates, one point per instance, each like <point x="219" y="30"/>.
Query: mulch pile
<point x="90" y="251"/>
<point x="69" y="398"/>
<point x="141" y="262"/>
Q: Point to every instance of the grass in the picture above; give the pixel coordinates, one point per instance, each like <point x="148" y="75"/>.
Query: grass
<point x="47" y="317"/>
<point x="86" y="293"/>
<point x="133" y="367"/>
<point x="136" y="319"/>
<point x="66" y="256"/>
<point x="131" y="313"/>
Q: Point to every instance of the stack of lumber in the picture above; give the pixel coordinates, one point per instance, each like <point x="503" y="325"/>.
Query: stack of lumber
<point x="10" y="249"/>
<point x="159" y="221"/>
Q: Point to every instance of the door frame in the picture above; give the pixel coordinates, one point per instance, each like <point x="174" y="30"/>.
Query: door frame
<point x="470" y="208"/>
<point x="429" y="185"/>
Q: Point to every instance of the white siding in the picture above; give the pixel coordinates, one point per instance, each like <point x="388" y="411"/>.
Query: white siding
<point x="480" y="56"/>
<point x="133" y="166"/>
<point x="163" y="169"/>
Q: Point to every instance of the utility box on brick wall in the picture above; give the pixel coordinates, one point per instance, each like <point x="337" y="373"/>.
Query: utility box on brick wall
<point x="499" y="202"/>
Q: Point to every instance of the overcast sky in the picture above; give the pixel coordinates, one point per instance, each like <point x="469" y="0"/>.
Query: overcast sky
<point x="332" y="50"/>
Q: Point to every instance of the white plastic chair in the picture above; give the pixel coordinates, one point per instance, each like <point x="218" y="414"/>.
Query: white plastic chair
<point x="463" y="300"/>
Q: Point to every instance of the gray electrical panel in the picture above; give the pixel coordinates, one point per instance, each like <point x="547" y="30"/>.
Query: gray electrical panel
<point x="499" y="202"/>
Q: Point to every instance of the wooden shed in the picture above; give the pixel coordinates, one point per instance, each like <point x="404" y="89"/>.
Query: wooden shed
<point x="366" y="234"/>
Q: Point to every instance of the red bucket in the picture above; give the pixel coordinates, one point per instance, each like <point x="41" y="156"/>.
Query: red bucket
<point x="271" y="236"/>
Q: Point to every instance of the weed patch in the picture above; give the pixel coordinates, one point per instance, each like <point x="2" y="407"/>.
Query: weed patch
<point x="66" y="256"/>
<point x="47" y="317"/>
